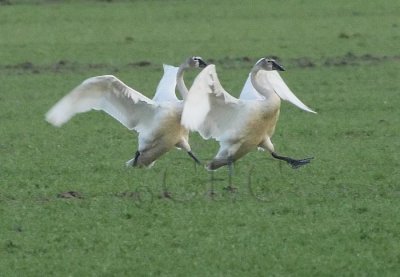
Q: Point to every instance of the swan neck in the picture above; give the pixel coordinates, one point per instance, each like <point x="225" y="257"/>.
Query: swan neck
<point x="180" y="83"/>
<point x="261" y="88"/>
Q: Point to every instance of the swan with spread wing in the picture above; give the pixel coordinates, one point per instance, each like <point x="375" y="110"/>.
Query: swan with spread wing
<point x="240" y="125"/>
<point x="156" y="120"/>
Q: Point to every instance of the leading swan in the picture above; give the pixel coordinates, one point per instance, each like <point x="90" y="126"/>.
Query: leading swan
<point x="240" y="125"/>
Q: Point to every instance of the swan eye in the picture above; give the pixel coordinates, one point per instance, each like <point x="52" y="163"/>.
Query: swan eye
<point x="199" y="62"/>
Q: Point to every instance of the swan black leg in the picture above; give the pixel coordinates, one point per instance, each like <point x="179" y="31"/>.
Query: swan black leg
<point x="193" y="157"/>
<point x="230" y="172"/>
<point x="230" y="187"/>
<point x="137" y="154"/>
<point x="292" y="162"/>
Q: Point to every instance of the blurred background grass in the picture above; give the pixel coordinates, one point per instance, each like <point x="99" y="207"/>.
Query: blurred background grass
<point x="340" y="215"/>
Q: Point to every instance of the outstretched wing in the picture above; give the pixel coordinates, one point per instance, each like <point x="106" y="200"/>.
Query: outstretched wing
<point x="166" y="87"/>
<point x="107" y="93"/>
<point x="209" y="109"/>
<point x="280" y="87"/>
<point x="249" y="92"/>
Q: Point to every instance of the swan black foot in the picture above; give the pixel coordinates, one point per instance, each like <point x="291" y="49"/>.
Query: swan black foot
<point x="293" y="162"/>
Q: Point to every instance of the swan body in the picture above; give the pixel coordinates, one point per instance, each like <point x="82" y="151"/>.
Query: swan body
<point x="156" y="120"/>
<point x="240" y="125"/>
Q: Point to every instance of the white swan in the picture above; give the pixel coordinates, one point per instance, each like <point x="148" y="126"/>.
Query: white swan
<point x="240" y="125"/>
<point x="156" y="120"/>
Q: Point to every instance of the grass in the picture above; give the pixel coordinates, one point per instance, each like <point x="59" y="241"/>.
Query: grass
<point x="337" y="216"/>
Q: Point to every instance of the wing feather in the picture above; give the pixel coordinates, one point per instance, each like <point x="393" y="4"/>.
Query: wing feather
<point x="249" y="92"/>
<point x="282" y="89"/>
<point x="166" y="87"/>
<point x="209" y="109"/>
<point x="109" y="94"/>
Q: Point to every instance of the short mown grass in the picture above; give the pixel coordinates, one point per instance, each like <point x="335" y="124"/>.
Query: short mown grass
<point x="70" y="207"/>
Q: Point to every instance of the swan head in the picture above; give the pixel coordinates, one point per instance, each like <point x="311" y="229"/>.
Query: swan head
<point x="195" y="62"/>
<point x="269" y="64"/>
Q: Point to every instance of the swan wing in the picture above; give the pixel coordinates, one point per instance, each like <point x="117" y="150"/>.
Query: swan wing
<point x="209" y="109"/>
<point x="109" y="94"/>
<point x="280" y="87"/>
<point x="249" y="92"/>
<point x="166" y="87"/>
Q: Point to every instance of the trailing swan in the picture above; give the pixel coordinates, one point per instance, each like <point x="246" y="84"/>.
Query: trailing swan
<point x="156" y="120"/>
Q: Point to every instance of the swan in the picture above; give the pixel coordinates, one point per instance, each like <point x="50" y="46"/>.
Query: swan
<point x="239" y="125"/>
<point x="156" y="120"/>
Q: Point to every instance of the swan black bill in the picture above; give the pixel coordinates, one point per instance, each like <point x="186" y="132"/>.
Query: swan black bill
<point x="277" y="66"/>
<point x="202" y="64"/>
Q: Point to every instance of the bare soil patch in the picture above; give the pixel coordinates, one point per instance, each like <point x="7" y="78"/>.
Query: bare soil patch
<point x="62" y="66"/>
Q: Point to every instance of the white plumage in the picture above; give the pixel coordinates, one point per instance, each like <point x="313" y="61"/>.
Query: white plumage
<point x="273" y="81"/>
<point x="156" y="120"/>
<point x="109" y="94"/>
<point x="240" y="125"/>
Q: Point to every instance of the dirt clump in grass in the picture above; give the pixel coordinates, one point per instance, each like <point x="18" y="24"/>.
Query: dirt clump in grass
<point x="353" y="59"/>
<point x="5" y="2"/>
<point x="140" y="64"/>
<point x="70" y="195"/>
<point x="134" y="195"/>
<point x="303" y="62"/>
<point x="165" y="195"/>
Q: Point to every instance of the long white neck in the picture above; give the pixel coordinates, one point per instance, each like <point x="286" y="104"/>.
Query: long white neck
<point x="263" y="87"/>
<point x="180" y="83"/>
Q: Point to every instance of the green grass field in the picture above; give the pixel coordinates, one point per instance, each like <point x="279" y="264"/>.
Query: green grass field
<point x="338" y="216"/>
